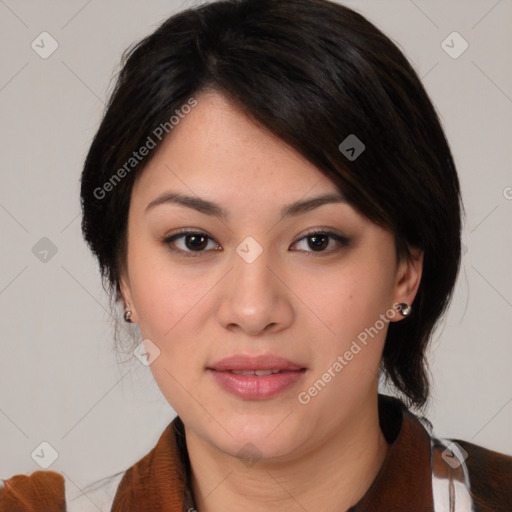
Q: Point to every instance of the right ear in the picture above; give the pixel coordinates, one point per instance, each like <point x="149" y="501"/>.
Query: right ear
<point x="126" y="294"/>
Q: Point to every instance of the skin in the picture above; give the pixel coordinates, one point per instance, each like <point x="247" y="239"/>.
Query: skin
<point x="291" y="301"/>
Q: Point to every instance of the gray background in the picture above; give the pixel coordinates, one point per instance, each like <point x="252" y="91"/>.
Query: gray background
<point x="60" y="381"/>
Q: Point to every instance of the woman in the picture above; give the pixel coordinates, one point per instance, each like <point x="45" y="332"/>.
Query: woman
<point x="271" y="196"/>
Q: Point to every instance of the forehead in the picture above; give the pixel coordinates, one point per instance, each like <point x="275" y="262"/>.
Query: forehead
<point x="216" y="150"/>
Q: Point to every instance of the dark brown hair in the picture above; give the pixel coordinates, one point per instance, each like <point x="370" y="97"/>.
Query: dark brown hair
<point x="312" y="72"/>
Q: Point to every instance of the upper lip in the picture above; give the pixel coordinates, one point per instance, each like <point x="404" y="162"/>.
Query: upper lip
<point x="260" y="362"/>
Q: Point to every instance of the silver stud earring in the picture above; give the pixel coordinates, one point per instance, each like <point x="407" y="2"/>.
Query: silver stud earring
<point x="404" y="308"/>
<point x="127" y="314"/>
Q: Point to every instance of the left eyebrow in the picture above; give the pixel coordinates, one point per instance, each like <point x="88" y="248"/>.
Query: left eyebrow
<point x="300" y="207"/>
<point x="210" y="208"/>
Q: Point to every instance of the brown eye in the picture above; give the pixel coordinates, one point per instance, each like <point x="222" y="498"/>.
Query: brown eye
<point x="196" y="241"/>
<point x="189" y="242"/>
<point x="318" y="241"/>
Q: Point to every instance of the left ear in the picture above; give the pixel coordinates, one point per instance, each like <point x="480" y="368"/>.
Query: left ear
<point x="408" y="278"/>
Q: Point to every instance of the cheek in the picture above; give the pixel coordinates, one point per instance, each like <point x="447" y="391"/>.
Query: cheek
<point x="352" y="312"/>
<point x="173" y="305"/>
<point x="349" y="299"/>
<point x="348" y="344"/>
<point x="164" y="293"/>
<point x="168" y="303"/>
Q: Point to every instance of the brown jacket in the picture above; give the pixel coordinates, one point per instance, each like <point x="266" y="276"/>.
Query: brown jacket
<point x="420" y="474"/>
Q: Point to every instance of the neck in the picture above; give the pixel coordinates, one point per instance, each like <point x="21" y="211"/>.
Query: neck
<point x="331" y="477"/>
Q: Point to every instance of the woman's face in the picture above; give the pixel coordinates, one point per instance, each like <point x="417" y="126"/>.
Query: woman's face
<point x="253" y="281"/>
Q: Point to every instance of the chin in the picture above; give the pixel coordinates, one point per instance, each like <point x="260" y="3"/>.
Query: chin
<point x="264" y="437"/>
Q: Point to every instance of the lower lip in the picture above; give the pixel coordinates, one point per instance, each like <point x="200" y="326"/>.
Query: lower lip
<point x="252" y="387"/>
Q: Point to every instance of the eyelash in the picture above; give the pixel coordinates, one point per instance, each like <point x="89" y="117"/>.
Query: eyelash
<point x="343" y="241"/>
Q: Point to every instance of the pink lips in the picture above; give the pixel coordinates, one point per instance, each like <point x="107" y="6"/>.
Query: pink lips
<point x="256" y="387"/>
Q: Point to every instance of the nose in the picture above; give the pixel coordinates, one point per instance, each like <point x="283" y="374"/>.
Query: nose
<point x="255" y="298"/>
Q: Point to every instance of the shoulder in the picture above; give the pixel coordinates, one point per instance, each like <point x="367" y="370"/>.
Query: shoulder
<point x="465" y="476"/>
<point x="55" y="492"/>
<point x="42" y="490"/>
<point x="490" y="476"/>
<point x="468" y="477"/>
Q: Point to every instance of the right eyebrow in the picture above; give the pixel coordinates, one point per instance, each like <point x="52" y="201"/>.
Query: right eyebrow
<point x="201" y="205"/>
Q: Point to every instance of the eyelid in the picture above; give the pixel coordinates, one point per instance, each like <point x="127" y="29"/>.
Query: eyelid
<point x="322" y="231"/>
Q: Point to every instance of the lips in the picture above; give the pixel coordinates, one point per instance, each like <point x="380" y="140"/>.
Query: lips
<point x="244" y="363"/>
<point x="256" y="377"/>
